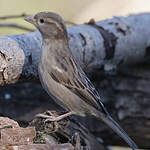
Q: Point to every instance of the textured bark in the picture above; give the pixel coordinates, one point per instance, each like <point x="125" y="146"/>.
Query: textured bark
<point x="115" y="54"/>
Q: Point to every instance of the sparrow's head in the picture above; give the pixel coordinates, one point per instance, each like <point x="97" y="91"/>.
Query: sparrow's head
<point x="49" y="24"/>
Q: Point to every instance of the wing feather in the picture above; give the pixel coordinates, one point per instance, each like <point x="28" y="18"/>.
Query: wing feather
<point x="76" y="80"/>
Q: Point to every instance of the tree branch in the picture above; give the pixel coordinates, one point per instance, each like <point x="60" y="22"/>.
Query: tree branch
<point x="14" y="25"/>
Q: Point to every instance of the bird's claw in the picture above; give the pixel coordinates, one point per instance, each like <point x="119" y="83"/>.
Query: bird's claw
<point x="49" y="116"/>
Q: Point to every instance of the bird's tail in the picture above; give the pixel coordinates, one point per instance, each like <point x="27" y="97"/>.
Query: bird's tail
<point x="116" y="127"/>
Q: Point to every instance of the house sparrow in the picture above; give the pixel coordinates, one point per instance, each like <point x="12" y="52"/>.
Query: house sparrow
<point x="63" y="78"/>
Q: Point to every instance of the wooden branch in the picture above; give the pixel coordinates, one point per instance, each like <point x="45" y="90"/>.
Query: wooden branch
<point x="14" y="25"/>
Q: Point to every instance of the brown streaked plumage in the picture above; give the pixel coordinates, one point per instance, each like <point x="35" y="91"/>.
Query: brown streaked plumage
<point x="63" y="78"/>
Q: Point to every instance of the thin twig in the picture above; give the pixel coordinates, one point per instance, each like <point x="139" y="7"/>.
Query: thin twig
<point x="13" y="16"/>
<point x="15" y="26"/>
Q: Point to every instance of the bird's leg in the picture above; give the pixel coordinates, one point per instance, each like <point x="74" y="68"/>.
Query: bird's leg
<point x="56" y="125"/>
<point x="52" y="117"/>
<point x="58" y="118"/>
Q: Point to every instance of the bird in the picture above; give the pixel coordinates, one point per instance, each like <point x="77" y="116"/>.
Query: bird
<point x="63" y="78"/>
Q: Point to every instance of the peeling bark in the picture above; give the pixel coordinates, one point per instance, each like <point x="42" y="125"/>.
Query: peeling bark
<point x="109" y="40"/>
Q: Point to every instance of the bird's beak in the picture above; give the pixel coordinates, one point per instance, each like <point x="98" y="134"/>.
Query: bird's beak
<point x="30" y="19"/>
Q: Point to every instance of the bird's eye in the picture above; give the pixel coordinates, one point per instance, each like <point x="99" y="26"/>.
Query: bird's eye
<point x="41" y="20"/>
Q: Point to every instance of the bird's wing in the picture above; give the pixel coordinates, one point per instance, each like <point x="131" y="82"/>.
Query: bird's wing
<point x="68" y="73"/>
<point x="74" y="79"/>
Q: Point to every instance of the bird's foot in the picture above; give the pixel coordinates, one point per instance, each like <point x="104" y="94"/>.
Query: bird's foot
<point x="51" y="116"/>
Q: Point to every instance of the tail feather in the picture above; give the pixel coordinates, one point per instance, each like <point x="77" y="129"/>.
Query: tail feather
<point x="116" y="127"/>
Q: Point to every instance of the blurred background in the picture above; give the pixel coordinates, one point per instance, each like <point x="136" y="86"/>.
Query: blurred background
<point x="76" y="11"/>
